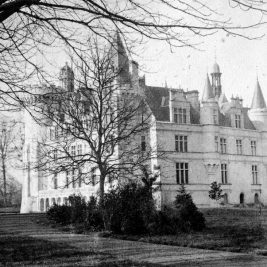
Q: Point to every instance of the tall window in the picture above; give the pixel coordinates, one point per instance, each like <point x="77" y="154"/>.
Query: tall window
<point x="73" y="178"/>
<point x="52" y="133"/>
<point x="79" y="179"/>
<point x="223" y="145"/>
<point x="67" y="178"/>
<point x="215" y="116"/>
<point x="143" y="143"/>
<point x="254" y="170"/>
<point x="55" y="181"/>
<point x="179" y="115"/>
<point x="237" y="121"/>
<point x="55" y="154"/>
<point x="224" y="173"/>
<point x="73" y="151"/>
<point x="238" y="146"/>
<point x="56" y="132"/>
<point x="93" y="175"/>
<point x="180" y="143"/>
<point x="253" y="147"/>
<point x="79" y="149"/>
<point x="216" y="141"/>
<point x="182" y="173"/>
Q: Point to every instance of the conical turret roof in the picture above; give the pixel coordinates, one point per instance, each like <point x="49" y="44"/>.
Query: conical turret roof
<point x="216" y="68"/>
<point x="258" y="99"/>
<point x="207" y="93"/>
<point x="222" y="99"/>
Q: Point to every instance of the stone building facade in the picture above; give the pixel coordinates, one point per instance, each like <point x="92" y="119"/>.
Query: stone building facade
<point x="204" y="140"/>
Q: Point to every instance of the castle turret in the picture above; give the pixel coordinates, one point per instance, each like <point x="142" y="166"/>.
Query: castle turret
<point x="216" y="80"/>
<point x="34" y="133"/>
<point x="66" y="76"/>
<point x="121" y="61"/>
<point x="209" y="111"/>
<point x="258" y="111"/>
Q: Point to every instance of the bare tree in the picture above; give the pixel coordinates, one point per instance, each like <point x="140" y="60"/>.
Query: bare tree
<point x="10" y="154"/>
<point x="31" y="28"/>
<point x="99" y="125"/>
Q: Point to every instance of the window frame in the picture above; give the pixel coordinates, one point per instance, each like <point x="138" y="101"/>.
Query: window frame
<point x="224" y="173"/>
<point x="182" y="172"/>
<point x="181" y="143"/>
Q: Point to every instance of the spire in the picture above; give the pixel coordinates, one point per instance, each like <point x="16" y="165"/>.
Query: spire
<point x="258" y="99"/>
<point x="207" y="93"/>
<point x="222" y="99"/>
<point x="216" y="68"/>
<point x="120" y="58"/>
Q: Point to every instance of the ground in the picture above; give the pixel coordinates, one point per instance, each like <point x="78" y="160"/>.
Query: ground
<point x="235" y="230"/>
<point x="26" y="240"/>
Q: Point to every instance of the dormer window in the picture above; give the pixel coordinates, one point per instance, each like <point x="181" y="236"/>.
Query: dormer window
<point x="179" y="115"/>
<point x="237" y="121"/>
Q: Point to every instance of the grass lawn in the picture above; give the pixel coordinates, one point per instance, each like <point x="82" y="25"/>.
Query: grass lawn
<point x="23" y="250"/>
<point x="233" y="230"/>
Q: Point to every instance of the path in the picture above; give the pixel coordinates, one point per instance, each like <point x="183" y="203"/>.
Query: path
<point x="25" y="225"/>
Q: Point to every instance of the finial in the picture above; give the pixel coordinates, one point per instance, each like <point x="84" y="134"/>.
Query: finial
<point x="215" y="54"/>
<point x="166" y="85"/>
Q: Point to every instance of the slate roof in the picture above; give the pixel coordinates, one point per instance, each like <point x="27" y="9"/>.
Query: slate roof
<point x="207" y="92"/>
<point x="258" y="99"/>
<point x="158" y="100"/>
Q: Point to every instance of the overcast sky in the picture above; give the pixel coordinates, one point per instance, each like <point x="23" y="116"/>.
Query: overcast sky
<point x="239" y="59"/>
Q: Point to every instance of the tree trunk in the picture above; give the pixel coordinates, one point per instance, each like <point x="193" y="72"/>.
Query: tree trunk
<point x="101" y="190"/>
<point x="4" y="181"/>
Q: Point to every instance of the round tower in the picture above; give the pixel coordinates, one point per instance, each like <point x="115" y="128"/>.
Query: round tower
<point x="216" y="80"/>
<point x="34" y="132"/>
<point x="209" y="111"/>
<point x="66" y="77"/>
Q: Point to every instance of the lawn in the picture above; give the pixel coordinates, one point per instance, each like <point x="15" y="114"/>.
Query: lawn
<point x="236" y="230"/>
<point x="17" y="250"/>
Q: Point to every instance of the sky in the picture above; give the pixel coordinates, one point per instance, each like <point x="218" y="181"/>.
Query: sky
<point x="240" y="60"/>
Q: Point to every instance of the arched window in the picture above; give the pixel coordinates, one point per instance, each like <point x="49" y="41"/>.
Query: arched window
<point x="242" y="198"/>
<point x="225" y="198"/>
<point x="256" y="198"/>
<point x="53" y="201"/>
<point x="58" y="200"/>
<point x="65" y="201"/>
<point x="47" y="204"/>
<point x="42" y="205"/>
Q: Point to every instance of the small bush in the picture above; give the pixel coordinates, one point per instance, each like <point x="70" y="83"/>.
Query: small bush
<point x="128" y="209"/>
<point x="59" y="214"/>
<point x="84" y="215"/>
<point x="93" y="218"/>
<point x="165" y="222"/>
<point x="190" y="217"/>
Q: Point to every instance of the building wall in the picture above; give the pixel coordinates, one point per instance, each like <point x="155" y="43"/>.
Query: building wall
<point x="204" y="162"/>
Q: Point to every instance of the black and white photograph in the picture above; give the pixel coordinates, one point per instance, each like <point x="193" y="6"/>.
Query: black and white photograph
<point x="133" y="133"/>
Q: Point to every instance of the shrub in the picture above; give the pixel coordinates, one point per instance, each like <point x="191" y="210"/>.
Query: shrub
<point x="78" y="209"/>
<point x="78" y="212"/>
<point x="128" y="209"/>
<point x="93" y="218"/>
<point x="190" y="217"/>
<point x="215" y="192"/>
<point x="59" y="214"/>
<point x="165" y="222"/>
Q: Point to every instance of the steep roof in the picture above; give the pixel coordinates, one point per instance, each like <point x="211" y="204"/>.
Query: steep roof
<point x="208" y="92"/>
<point x="222" y="99"/>
<point x="216" y="68"/>
<point x="158" y="100"/>
<point x="258" y="99"/>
